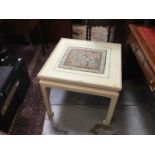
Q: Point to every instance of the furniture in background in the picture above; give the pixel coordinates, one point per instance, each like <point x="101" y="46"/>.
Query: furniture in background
<point x="54" y="29"/>
<point x="23" y="28"/>
<point x="85" y="67"/>
<point x="112" y="25"/>
<point x="142" y="42"/>
<point x="14" y="81"/>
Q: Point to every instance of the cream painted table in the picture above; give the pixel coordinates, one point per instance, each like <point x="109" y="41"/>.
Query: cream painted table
<point x="85" y="67"/>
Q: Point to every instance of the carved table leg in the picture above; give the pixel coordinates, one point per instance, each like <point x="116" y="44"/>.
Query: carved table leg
<point x="45" y="94"/>
<point x="110" y="111"/>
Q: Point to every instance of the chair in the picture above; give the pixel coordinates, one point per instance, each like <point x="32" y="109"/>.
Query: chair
<point x="102" y="22"/>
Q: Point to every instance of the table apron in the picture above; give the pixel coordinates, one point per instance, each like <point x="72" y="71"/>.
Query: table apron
<point x="79" y="88"/>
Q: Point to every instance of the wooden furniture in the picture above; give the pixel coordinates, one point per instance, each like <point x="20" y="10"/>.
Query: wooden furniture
<point x="111" y="24"/>
<point x="142" y="41"/>
<point x="14" y="82"/>
<point x="54" y="29"/>
<point x="21" y="27"/>
<point x="85" y="67"/>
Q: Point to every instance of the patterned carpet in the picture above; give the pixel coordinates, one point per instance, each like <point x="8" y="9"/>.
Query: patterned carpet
<point x="30" y="115"/>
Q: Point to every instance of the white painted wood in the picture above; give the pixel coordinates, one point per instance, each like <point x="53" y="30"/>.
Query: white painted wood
<point x="111" y="109"/>
<point x="107" y="84"/>
<point x="82" y="89"/>
<point x="111" y="79"/>
<point x="45" y="93"/>
<point x="78" y="88"/>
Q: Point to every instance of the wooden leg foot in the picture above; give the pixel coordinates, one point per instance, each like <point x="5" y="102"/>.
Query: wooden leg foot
<point x="110" y="111"/>
<point x="45" y="93"/>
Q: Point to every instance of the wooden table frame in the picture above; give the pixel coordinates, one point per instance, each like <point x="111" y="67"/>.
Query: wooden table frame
<point x="107" y="83"/>
<point x="113" y="95"/>
<point x="143" y="51"/>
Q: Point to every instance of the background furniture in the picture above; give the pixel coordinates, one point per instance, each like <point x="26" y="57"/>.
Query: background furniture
<point x="54" y="29"/>
<point x="142" y="42"/>
<point x="21" y="30"/>
<point x="14" y="81"/>
<point x="112" y="25"/>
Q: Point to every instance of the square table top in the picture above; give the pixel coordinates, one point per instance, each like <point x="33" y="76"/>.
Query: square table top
<point x="86" y="63"/>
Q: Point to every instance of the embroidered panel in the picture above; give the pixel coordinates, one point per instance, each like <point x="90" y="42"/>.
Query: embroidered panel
<point x="84" y="59"/>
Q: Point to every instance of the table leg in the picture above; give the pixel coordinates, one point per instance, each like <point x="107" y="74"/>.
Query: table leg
<point x="110" y="111"/>
<point x="45" y="93"/>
